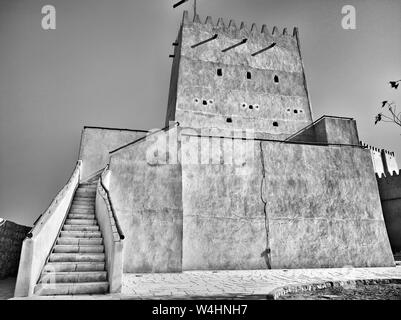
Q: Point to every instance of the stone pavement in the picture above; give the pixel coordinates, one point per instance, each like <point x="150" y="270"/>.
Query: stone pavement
<point x="256" y="284"/>
<point x="240" y="284"/>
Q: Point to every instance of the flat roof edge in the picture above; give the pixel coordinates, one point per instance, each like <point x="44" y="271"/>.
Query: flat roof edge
<point x="115" y="129"/>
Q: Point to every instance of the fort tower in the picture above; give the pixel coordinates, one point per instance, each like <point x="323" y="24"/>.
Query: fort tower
<point x="235" y="78"/>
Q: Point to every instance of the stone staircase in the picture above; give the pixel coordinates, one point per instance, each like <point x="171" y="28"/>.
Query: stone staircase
<point x="77" y="264"/>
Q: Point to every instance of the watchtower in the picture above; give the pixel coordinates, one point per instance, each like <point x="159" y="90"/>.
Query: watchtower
<point x="237" y="78"/>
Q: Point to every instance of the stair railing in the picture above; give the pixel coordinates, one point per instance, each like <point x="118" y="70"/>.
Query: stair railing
<point x="112" y="211"/>
<point x="112" y="235"/>
<point x="40" y="239"/>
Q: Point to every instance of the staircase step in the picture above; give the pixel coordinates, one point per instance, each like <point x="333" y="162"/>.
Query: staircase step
<point x="82" y="200"/>
<point x="69" y="227"/>
<point x="45" y="289"/>
<point x="81" y="234"/>
<point x="83" y="203"/>
<point x="73" y="266"/>
<point x="81" y="221"/>
<point x="82" y="211"/>
<point x="83" y="207"/>
<point x="90" y="183"/>
<point x="81" y="216"/>
<point x="79" y="241"/>
<point x="90" y="206"/>
<point x="76" y="257"/>
<point x="86" y="189"/>
<point x="91" y="187"/>
<point x="85" y="194"/>
<point x="79" y="248"/>
<point x="73" y="277"/>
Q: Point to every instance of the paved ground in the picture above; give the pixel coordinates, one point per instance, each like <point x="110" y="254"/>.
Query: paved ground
<point x="7" y="288"/>
<point x="390" y="291"/>
<point x="255" y="284"/>
<point x="240" y="284"/>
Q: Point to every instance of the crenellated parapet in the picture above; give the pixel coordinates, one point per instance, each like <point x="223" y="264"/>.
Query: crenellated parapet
<point x="367" y="146"/>
<point x="257" y="39"/>
<point x="394" y="174"/>
<point x="238" y="29"/>
<point x="384" y="161"/>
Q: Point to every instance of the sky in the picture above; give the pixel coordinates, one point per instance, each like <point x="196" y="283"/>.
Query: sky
<point x="107" y="64"/>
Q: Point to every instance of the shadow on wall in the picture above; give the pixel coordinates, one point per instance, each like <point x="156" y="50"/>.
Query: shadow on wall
<point x="11" y="237"/>
<point x="390" y="196"/>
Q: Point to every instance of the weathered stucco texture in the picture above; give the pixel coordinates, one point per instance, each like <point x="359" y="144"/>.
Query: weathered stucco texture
<point x="96" y="143"/>
<point x="146" y="195"/>
<point x="323" y="207"/>
<point x="11" y="237"/>
<point x="390" y="195"/>
<point x="223" y="221"/>
<point x="235" y="89"/>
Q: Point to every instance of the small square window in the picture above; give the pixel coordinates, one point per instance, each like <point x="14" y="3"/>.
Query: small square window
<point x="275" y="124"/>
<point x="229" y="120"/>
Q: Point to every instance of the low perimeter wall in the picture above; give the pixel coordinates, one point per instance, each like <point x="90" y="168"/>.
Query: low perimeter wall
<point x="11" y="237"/>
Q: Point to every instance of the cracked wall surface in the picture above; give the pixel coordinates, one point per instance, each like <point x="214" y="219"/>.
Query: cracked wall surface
<point x="324" y="207"/>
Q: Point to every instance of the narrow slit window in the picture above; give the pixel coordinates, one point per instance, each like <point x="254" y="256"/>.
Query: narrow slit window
<point x="276" y="80"/>
<point x="219" y="72"/>
<point x="248" y="75"/>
